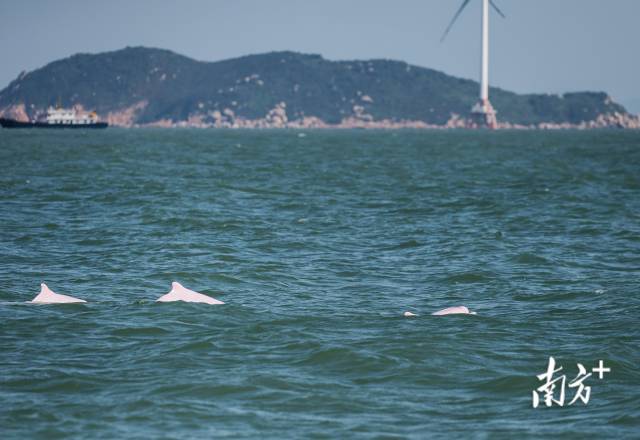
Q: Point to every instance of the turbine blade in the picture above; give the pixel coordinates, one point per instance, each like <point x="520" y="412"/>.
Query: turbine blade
<point x="497" y="9"/>
<point x="453" y="20"/>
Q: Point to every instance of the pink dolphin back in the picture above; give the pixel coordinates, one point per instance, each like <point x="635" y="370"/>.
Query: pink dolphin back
<point x="48" y="296"/>
<point x="180" y="293"/>
<point x="460" y="310"/>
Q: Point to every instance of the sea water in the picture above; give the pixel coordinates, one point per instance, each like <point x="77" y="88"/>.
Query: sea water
<point x="318" y="242"/>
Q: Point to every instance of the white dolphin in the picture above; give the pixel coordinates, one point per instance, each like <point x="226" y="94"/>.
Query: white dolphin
<point x="459" y="310"/>
<point x="48" y="296"/>
<point x="180" y="293"/>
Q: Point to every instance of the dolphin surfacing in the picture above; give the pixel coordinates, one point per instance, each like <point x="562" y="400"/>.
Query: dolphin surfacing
<point x="180" y="293"/>
<point x="459" y="310"/>
<point x="48" y="296"/>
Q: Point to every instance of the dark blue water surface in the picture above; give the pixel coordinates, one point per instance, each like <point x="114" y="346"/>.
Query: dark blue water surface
<point x="318" y="242"/>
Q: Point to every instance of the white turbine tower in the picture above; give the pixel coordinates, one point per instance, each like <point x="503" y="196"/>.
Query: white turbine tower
<point x="483" y="110"/>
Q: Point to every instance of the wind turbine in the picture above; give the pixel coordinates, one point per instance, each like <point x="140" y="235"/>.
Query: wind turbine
<point x="483" y="110"/>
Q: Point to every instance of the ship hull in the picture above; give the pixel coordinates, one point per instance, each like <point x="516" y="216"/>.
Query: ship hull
<point x="12" y="123"/>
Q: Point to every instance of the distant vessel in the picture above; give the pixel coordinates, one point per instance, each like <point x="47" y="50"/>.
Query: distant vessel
<point x="58" y="118"/>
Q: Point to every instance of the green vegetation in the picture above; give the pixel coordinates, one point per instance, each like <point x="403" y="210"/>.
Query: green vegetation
<point x="175" y="87"/>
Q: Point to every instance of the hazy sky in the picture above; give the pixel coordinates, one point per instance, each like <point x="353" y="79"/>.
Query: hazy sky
<point x="543" y="45"/>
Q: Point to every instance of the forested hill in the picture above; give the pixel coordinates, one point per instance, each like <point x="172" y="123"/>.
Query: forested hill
<point x="139" y="85"/>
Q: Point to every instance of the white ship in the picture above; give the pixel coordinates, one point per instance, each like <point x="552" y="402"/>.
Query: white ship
<point x="59" y="117"/>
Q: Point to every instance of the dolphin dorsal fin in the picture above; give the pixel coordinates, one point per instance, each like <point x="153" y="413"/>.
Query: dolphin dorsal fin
<point x="48" y="296"/>
<point x="180" y="293"/>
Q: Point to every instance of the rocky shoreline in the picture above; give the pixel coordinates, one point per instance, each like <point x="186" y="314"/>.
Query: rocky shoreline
<point x="277" y="118"/>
